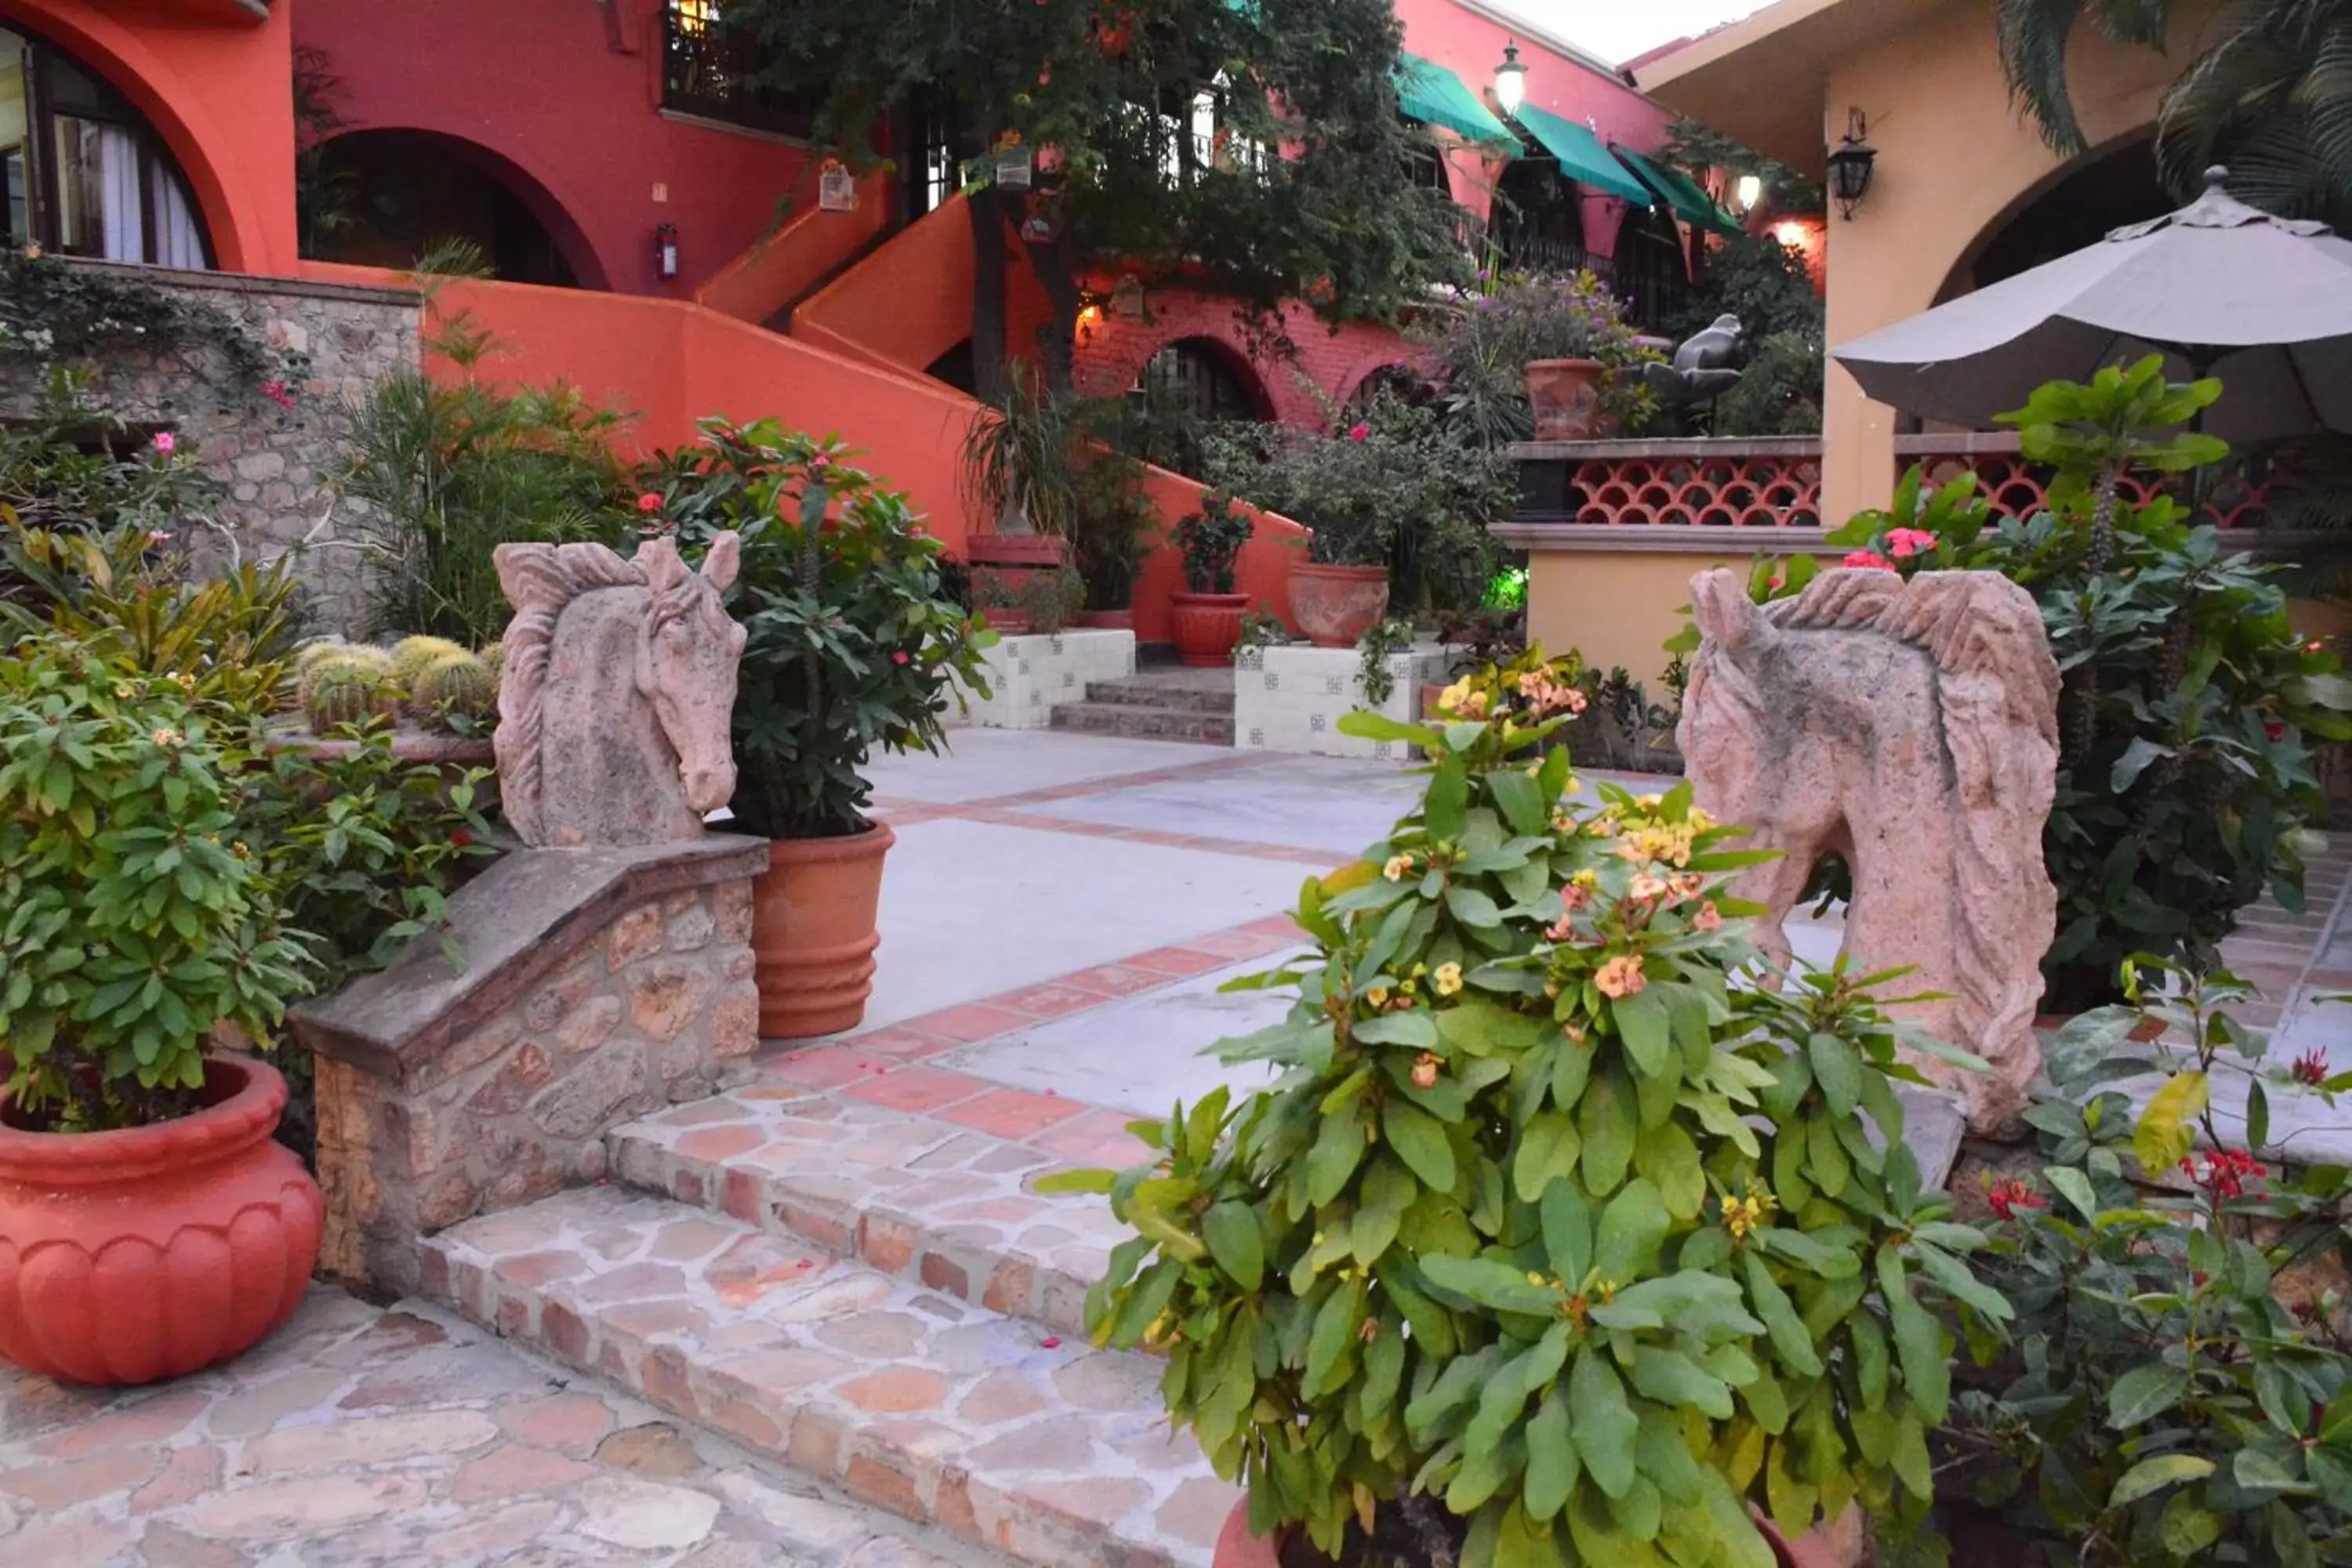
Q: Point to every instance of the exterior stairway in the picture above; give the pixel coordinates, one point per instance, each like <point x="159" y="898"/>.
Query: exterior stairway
<point x="869" y="1293"/>
<point x="1166" y="704"/>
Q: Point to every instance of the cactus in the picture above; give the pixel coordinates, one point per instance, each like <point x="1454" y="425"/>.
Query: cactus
<point x="454" y="686"/>
<point x="411" y="654"/>
<point x="348" y="693"/>
<point x="372" y="663"/>
<point x="494" y="658"/>
<point x="311" y="653"/>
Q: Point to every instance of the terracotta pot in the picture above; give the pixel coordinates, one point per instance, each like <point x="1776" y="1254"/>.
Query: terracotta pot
<point x="812" y="931"/>
<point x="1006" y="622"/>
<point x="1429" y="693"/>
<point x="1108" y="620"/>
<point x="1834" y="1543"/>
<point x="1015" y="550"/>
<point x="1565" y="398"/>
<point x="153" y="1252"/>
<point x="1333" y="606"/>
<point x="1237" y="1547"/>
<point x="1207" y="626"/>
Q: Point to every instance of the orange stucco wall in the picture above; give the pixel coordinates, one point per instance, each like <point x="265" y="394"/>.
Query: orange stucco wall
<point x="215" y="84"/>
<point x="779" y="268"/>
<point x="908" y="302"/>
<point x="1955" y="162"/>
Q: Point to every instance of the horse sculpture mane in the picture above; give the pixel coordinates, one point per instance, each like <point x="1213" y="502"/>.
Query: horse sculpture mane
<point x="1938" y="805"/>
<point x="635" y="694"/>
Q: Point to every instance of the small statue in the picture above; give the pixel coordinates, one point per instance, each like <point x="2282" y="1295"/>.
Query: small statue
<point x="1705" y="367"/>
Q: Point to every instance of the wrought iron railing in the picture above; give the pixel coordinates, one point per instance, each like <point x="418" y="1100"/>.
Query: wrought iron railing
<point x="709" y="71"/>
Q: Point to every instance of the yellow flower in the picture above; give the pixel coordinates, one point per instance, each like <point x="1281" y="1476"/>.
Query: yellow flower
<point x="1698" y="821"/>
<point x="125" y="690"/>
<point x="1649" y="802"/>
<point x="1453" y="697"/>
<point x="1448" y="979"/>
<point x="1621" y="976"/>
<point x="1378" y="995"/>
<point x="1587" y="879"/>
<point x="167" y="737"/>
<point x="1534" y="1279"/>
<point x="1397" y="867"/>
<point x="1424" y="1071"/>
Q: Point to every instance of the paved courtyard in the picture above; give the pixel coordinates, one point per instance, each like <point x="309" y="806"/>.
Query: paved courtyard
<point x="840" y="1264"/>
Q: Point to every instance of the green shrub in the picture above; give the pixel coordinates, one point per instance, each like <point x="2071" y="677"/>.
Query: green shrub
<point x="1480" y="347"/>
<point x="1547" y="1218"/>
<point x="1211" y="541"/>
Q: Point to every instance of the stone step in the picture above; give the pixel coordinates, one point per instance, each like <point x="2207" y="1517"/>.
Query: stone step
<point x="995" y="1430"/>
<point x="905" y="1192"/>
<point x="1145" y="723"/>
<point x="1179" y="689"/>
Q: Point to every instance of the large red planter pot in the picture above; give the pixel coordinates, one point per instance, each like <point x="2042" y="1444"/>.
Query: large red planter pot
<point x="1564" y="394"/>
<point x="814" y="932"/>
<point x="153" y="1252"/>
<point x="1333" y="606"/>
<point x="1207" y="626"/>
<point x="1237" y="1547"/>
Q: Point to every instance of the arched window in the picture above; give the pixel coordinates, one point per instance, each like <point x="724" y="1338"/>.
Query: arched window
<point x="1653" y="276"/>
<point x="85" y="174"/>
<point x="1539" y="219"/>
<point x="1197" y="376"/>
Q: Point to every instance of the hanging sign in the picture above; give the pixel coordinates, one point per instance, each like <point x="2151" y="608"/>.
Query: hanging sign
<point x="837" y="189"/>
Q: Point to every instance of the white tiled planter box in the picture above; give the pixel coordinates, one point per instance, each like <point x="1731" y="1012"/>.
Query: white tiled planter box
<point x="1029" y="674"/>
<point x="1291" y="697"/>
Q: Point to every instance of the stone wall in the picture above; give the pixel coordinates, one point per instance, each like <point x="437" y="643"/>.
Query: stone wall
<point x="276" y="466"/>
<point x="598" y="985"/>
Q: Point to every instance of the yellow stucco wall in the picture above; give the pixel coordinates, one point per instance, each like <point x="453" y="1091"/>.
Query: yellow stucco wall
<point x="1955" y="162"/>
<point x="1614" y="607"/>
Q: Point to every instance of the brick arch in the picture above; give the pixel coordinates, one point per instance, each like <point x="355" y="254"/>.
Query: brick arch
<point x="589" y="268"/>
<point x="238" y="167"/>
<point x="1351" y="386"/>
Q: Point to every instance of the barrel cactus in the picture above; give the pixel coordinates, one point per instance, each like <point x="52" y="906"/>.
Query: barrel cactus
<point x="455" y="686"/>
<point x="349" y="692"/>
<point x="315" y="663"/>
<point x="410" y="656"/>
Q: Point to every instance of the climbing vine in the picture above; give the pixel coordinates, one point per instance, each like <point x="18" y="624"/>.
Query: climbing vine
<point x="56" y="312"/>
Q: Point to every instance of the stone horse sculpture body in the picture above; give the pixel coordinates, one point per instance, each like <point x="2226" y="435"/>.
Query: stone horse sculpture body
<point x="1912" y="728"/>
<point x="616" y="694"/>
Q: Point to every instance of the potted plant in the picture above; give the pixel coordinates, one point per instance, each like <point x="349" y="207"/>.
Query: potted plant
<point x="1208" y="614"/>
<point x="1019" y="468"/>
<point x="152" y="1227"/>
<point x="1541" y="357"/>
<point x="1558" y="1240"/>
<point x="1113" y="519"/>
<point x="852" y="644"/>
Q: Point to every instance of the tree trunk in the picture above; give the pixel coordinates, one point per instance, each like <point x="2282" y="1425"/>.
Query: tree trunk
<point x="1054" y="263"/>
<point x="988" y="369"/>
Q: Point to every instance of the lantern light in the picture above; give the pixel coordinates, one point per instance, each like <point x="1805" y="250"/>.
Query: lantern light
<point x="1851" y="165"/>
<point x="1510" y="80"/>
<point x="1751" y="190"/>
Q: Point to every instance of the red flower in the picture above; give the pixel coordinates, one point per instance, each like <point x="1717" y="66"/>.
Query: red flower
<point x="460" y="837"/>
<point x="649" y="502"/>
<point x="2225" y="1174"/>
<point x="2006" y="1197"/>
<point x="898" y="658"/>
<point x="1359" y="432"/>
<point x="2274" y="729"/>
<point x="2311" y="1067"/>
<point x="1868" y="558"/>
<point x="276" y="392"/>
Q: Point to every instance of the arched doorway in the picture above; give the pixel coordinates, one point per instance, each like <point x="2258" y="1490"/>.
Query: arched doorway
<point x="83" y="171"/>
<point x="2101" y="192"/>
<point x="1652" y="275"/>
<point x="1190" y="384"/>
<point x="413" y="191"/>
<point x="1538" y="224"/>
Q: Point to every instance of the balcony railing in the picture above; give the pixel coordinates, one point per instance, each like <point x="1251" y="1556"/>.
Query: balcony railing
<point x="707" y="71"/>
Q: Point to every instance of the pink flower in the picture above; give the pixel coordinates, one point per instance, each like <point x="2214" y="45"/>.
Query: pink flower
<point x="157" y="536"/>
<point x="1359" y="432"/>
<point x="898" y="658"/>
<point x="1868" y="558"/>
<point x="276" y="392"/>
<point x="1905" y="541"/>
<point x="1708" y="918"/>
<point x="649" y="502"/>
<point x="1621" y="976"/>
<point x="165" y="441"/>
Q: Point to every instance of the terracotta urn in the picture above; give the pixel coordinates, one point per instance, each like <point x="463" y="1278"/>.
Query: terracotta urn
<point x="153" y="1252"/>
<point x="814" y="932"/>
<point x="1565" y="397"/>
<point x="1207" y="626"/>
<point x="1237" y="1547"/>
<point x="1333" y="606"/>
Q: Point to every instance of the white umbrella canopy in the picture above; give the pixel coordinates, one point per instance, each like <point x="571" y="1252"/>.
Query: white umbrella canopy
<point x="2219" y="287"/>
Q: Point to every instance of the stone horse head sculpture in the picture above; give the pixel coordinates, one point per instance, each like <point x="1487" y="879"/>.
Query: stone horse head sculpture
<point x="618" y="686"/>
<point x="1911" y="727"/>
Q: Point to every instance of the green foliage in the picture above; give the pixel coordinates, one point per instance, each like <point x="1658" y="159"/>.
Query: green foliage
<point x="1332" y="218"/>
<point x="1382" y="641"/>
<point x="1548" y="1215"/>
<point x="1695" y="150"/>
<point x="2186" y="772"/>
<point x="137" y="917"/>
<point x="1211" y="540"/>
<point x="1389" y="489"/>
<point x="1063" y="465"/>
<point x="448" y="472"/>
<point x="58" y="315"/>
<point x="1780" y="393"/>
<point x="851" y="645"/>
<point x="1481" y="345"/>
<point x="2164" y="1406"/>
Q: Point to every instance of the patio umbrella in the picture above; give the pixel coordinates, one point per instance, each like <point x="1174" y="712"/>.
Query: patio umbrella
<point x="2219" y="287"/>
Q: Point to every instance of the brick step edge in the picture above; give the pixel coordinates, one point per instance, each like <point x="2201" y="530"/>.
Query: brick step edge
<point x="1151" y="694"/>
<point x="1045" y="1450"/>
<point x="919" y="1199"/>
<point x="1143" y="723"/>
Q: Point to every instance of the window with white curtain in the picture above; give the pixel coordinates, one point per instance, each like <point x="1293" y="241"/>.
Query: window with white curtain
<point x="85" y="174"/>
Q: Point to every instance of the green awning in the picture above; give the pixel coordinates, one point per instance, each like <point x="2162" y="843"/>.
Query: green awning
<point x="1582" y="156"/>
<point x="1435" y="96"/>
<point x="1681" y="192"/>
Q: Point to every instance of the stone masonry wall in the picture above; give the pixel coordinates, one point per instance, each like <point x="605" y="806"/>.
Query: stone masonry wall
<point x="649" y="1009"/>
<point x="275" y="467"/>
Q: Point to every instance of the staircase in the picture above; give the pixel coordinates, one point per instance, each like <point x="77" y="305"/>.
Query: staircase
<point x="1167" y="704"/>
<point x="870" y="1292"/>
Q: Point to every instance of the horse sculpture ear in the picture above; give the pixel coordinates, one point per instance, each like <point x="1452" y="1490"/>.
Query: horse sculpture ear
<point x="661" y="564"/>
<point x="719" y="567"/>
<point x="1720" y="604"/>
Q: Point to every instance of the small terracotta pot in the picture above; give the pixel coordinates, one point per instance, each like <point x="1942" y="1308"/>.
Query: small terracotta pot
<point x="1108" y="620"/>
<point x="1429" y="693"/>
<point x="1237" y="1547"/>
<point x="1207" y="626"/>
<point x="1333" y="606"/>
<point x="814" y="935"/>
<point x="1007" y="623"/>
<point x="153" y="1252"/>
<point x="1565" y="397"/>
